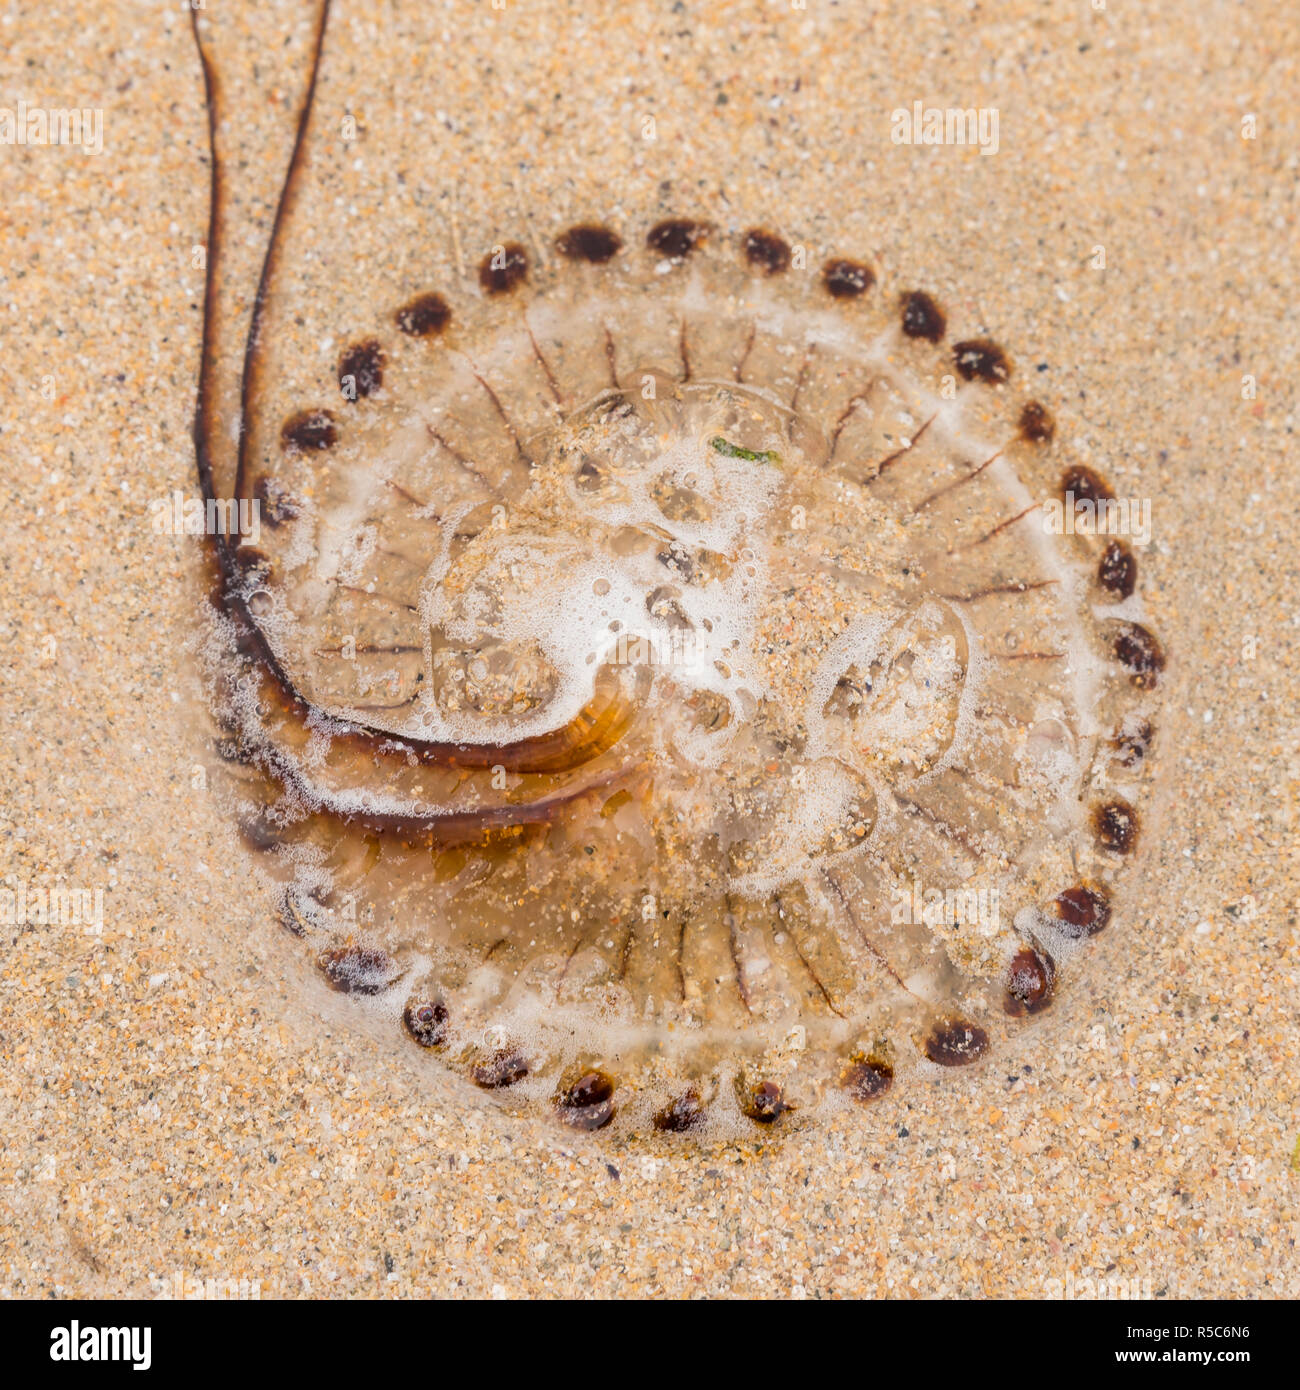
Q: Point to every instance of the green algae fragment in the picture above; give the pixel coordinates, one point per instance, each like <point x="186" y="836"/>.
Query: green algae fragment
<point x="733" y="451"/>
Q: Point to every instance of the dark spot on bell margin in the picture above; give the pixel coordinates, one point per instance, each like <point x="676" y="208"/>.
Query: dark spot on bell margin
<point x="503" y="268"/>
<point x="1139" y="651"/>
<point x="867" y="1078"/>
<point x="953" y="1042"/>
<point x="1036" y="423"/>
<point x="922" y="317"/>
<point x="1085" y="485"/>
<point x="424" y="316"/>
<point x="1031" y="979"/>
<point x="503" y="1068"/>
<point x="426" y="1021"/>
<point x="1116" y="826"/>
<point x="980" y="359"/>
<point x="677" y="237"/>
<point x="847" y="279"/>
<point x="1118" y="569"/>
<point x="275" y="504"/>
<point x="763" y="1103"/>
<point x="309" y="429"/>
<point x="357" y="969"/>
<point x="766" y="251"/>
<point x="361" y="369"/>
<point x="680" y="1114"/>
<point x="588" y="1103"/>
<point x="589" y="243"/>
<point x="1082" y="911"/>
<point x="260" y="834"/>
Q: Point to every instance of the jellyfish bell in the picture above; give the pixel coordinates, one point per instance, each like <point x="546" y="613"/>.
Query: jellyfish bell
<point x="635" y="630"/>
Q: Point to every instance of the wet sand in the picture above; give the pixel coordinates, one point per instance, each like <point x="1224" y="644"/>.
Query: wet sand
<point x="179" y="1101"/>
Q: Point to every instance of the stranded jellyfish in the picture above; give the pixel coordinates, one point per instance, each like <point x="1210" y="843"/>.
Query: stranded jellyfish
<point x="655" y="687"/>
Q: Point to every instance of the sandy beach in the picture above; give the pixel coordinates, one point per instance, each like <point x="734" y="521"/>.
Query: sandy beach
<point x="180" y="1102"/>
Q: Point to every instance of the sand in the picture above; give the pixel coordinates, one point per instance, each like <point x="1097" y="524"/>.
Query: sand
<point x="177" y="1104"/>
